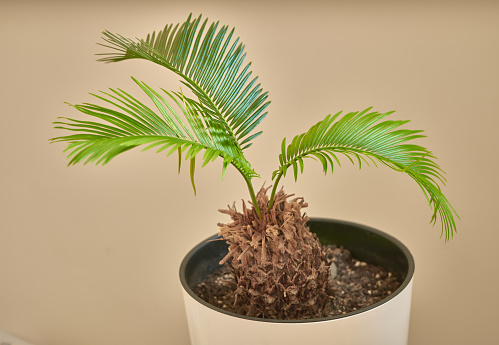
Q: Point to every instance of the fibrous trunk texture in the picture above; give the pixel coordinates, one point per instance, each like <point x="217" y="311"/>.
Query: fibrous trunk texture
<point x="280" y="267"/>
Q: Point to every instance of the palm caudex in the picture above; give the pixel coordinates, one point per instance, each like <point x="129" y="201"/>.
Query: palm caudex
<point x="220" y="116"/>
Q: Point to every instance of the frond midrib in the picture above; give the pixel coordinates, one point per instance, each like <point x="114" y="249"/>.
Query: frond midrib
<point x="337" y="148"/>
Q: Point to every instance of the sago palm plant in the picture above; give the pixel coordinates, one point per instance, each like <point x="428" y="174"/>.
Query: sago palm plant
<point x="280" y="267"/>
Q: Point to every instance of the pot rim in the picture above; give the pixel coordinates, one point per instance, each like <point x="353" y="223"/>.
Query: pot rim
<point x="403" y="285"/>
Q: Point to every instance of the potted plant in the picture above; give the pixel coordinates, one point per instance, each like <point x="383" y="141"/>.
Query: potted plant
<point x="281" y="270"/>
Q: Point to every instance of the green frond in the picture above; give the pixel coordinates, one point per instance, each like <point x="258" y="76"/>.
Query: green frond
<point x="211" y="64"/>
<point x="365" y="137"/>
<point x="124" y="123"/>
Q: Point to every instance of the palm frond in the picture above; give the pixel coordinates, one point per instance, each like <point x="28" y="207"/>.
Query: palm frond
<point x="125" y="123"/>
<point x="210" y="64"/>
<point x="365" y="137"/>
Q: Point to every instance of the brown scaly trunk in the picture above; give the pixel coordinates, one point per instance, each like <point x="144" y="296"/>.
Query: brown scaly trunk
<point x="279" y="265"/>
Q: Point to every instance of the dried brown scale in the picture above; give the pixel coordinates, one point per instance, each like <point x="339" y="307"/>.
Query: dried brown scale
<point x="280" y="268"/>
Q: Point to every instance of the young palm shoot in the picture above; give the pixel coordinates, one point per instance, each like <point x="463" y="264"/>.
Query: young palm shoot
<point x="279" y="265"/>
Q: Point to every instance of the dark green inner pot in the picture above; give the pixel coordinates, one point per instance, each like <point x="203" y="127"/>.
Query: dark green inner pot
<point x="365" y="244"/>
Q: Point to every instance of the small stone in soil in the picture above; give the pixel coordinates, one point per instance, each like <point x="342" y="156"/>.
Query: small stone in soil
<point x="333" y="270"/>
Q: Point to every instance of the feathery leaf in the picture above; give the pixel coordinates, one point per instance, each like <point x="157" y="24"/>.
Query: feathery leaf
<point x="209" y="68"/>
<point x="365" y="136"/>
<point x="131" y="123"/>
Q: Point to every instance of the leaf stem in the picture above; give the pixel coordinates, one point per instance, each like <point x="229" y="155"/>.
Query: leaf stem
<point x="253" y="197"/>
<point x="251" y="191"/>
<point x="274" y="188"/>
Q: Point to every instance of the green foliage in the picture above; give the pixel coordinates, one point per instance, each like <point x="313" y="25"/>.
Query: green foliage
<point x="229" y="106"/>
<point x="130" y="123"/>
<point x="210" y="66"/>
<point x="221" y="118"/>
<point x="365" y="137"/>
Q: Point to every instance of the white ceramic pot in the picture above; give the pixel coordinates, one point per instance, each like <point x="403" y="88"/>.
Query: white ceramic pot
<point x="383" y="323"/>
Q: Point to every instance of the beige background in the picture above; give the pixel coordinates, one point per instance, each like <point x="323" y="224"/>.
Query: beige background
<point x="90" y="255"/>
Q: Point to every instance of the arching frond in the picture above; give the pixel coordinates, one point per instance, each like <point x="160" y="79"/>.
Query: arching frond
<point x="211" y="64"/>
<point x="365" y="137"/>
<point x="128" y="123"/>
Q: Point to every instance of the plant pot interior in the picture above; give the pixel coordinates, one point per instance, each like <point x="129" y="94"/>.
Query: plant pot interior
<point x="366" y="244"/>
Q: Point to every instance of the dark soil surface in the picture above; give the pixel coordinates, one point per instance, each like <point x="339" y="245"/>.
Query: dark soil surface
<point x="357" y="285"/>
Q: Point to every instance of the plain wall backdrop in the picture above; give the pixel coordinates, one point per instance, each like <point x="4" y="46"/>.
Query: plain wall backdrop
<point x="90" y="255"/>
